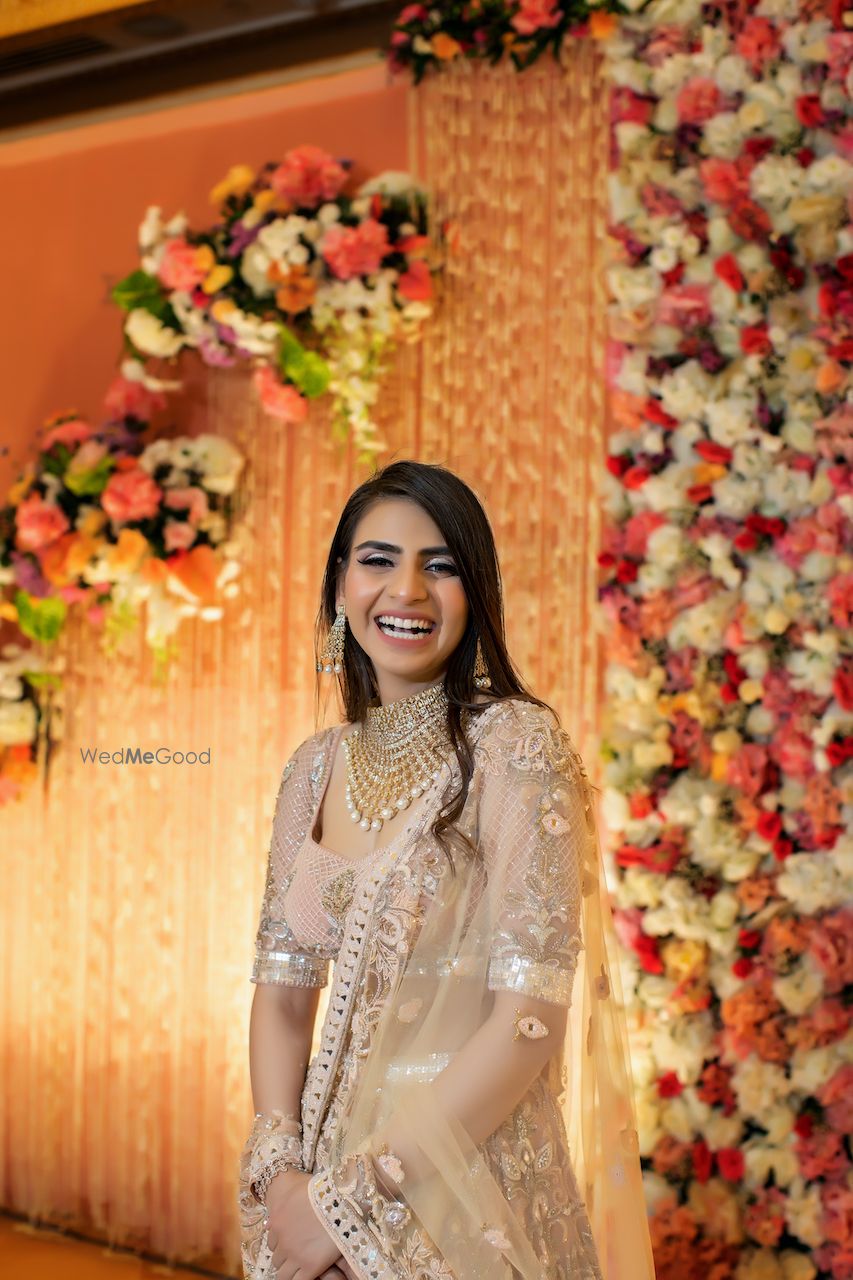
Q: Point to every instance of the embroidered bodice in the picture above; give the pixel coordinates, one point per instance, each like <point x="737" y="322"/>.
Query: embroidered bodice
<point x="526" y="820"/>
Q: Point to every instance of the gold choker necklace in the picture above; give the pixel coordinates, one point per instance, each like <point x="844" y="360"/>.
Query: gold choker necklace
<point x="395" y="755"/>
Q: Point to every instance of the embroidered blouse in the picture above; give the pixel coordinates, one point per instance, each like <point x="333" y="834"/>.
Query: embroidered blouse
<point x="520" y="813"/>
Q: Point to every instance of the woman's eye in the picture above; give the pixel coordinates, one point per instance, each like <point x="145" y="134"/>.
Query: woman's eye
<point x="378" y="561"/>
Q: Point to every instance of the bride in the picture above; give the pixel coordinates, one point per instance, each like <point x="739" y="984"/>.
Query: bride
<point x="468" y="1113"/>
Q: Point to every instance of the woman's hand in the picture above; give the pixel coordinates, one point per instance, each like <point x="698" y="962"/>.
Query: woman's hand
<point x="297" y="1238"/>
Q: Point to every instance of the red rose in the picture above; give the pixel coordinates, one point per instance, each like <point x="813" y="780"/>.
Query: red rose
<point x="730" y="1163"/>
<point x="809" y="111"/>
<point x="702" y="1160"/>
<point x="669" y="1085"/>
<point x="743" y="967"/>
<point x="754" y="340"/>
<point x="769" y="825"/>
<point x="727" y="270"/>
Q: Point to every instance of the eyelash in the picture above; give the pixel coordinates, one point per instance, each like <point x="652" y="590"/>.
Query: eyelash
<point x="375" y="560"/>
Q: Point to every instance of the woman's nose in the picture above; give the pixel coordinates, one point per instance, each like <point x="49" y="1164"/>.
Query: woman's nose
<point x="408" y="583"/>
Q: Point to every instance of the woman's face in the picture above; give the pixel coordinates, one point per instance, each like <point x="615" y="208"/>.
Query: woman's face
<point x="399" y="569"/>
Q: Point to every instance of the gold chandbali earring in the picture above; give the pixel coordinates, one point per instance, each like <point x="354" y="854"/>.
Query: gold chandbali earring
<point x="333" y="659"/>
<point x="482" y="679"/>
<point x="394" y="756"/>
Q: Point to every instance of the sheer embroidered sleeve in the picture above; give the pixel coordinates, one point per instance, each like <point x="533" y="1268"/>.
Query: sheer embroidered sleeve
<point x="279" y="957"/>
<point x="535" y="821"/>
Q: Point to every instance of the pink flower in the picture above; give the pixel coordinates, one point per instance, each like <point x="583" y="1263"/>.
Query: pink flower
<point x="38" y="523"/>
<point x="757" y="42"/>
<point x="534" y="14"/>
<point x="625" y="104"/>
<point x="722" y="180"/>
<point x="840" y="593"/>
<point x="837" y="1221"/>
<point x="821" y="1155"/>
<point x="698" y="100"/>
<point x="793" y="751"/>
<point x="179" y="267"/>
<point x="411" y="13"/>
<point x="131" y="494"/>
<point x="836" y="1097"/>
<point x="831" y="946"/>
<point x="65" y="433"/>
<point x="684" y="306"/>
<point x="307" y="176"/>
<point x="355" y="251"/>
<point x="127" y="398"/>
<point x="191" y="498"/>
<point x="280" y="399"/>
<point x="87" y="456"/>
<point x="416" y="283"/>
<point x="178" y="535"/>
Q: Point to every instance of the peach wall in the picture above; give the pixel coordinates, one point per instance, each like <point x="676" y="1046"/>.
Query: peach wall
<point x="73" y="199"/>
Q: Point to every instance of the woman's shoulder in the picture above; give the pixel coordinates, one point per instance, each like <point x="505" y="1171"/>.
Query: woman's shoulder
<point x="520" y="734"/>
<point x="308" y="755"/>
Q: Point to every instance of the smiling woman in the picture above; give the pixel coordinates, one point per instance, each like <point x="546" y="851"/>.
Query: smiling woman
<point x="458" y="891"/>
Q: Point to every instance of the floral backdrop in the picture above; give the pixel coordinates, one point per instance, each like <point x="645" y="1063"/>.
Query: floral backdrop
<point x="727" y="589"/>
<point x="726" y="593"/>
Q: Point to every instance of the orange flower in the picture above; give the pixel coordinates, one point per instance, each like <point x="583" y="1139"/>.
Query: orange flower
<point x="829" y="377"/>
<point x="444" y="46"/>
<point x="154" y="570"/>
<point x="627" y="409"/>
<point x="53" y="559"/>
<point x="601" y="25"/>
<point x="126" y="554"/>
<point x="198" y="570"/>
<point x="296" y="288"/>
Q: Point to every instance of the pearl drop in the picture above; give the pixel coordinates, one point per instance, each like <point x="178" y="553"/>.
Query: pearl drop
<point x="402" y="803"/>
<point x="355" y="815"/>
<point x="328" y="667"/>
<point x="365" y="824"/>
<point x="387" y="813"/>
<point x="337" y="667"/>
<point x="415" y="791"/>
<point x="376" y="824"/>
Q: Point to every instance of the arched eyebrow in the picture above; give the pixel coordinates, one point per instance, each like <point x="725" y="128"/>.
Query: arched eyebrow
<point x="398" y="551"/>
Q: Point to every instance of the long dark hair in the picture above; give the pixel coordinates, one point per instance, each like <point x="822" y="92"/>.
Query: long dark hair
<point x="465" y="527"/>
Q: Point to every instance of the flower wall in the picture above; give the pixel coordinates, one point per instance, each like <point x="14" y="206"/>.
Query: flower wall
<point x="727" y="593"/>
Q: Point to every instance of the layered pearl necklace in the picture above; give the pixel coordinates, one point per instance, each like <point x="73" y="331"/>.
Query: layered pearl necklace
<point x="395" y="755"/>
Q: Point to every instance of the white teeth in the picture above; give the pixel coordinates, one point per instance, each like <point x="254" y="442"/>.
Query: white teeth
<point x="409" y="624"/>
<point x="404" y="628"/>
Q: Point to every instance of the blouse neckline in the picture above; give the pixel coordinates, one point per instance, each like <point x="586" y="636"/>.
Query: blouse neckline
<point x="331" y="748"/>
<point x="333" y="740"/>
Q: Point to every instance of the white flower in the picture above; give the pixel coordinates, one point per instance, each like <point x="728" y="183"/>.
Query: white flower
<point x="758" y="1085"/>
<point x="813" y="882"/>
<point x="17" y="722"/>
<point x="803" y="1213"/>
<point x="392" y="182"/>
<point x="761" y="1159"/>
<point x="150" y="336"/>
<point x="686" y="392"/>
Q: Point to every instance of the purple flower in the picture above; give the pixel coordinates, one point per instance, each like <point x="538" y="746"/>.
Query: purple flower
<point x="214" y="354"/>
<point x="29" y="576"/>
<point x="241" y="237"/>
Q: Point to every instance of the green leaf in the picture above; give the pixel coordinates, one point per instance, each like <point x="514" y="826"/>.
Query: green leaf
<point x="139" y="289"/>
<point x="43" y="679"/>
<point x="40" y="618"/>
<point x="307" y="370"/>
<point x="92" y="481"/>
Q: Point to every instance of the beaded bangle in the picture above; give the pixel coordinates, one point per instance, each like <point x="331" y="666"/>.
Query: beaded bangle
<point x="274" y="1147"/>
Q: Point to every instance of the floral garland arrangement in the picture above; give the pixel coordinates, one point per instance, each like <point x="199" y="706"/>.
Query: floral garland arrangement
<point x="311" y="284"/>
<point x="104" y="522"/>
<point x="23" y="682"/>
<point x="426" y="37"/>
<point x="727" y="590"/>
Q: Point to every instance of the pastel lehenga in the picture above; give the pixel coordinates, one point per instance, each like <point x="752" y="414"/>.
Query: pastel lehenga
<point x="418" y="947"/>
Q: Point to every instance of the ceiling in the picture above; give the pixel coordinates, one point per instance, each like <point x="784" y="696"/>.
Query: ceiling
<point x="106" y="54"/>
